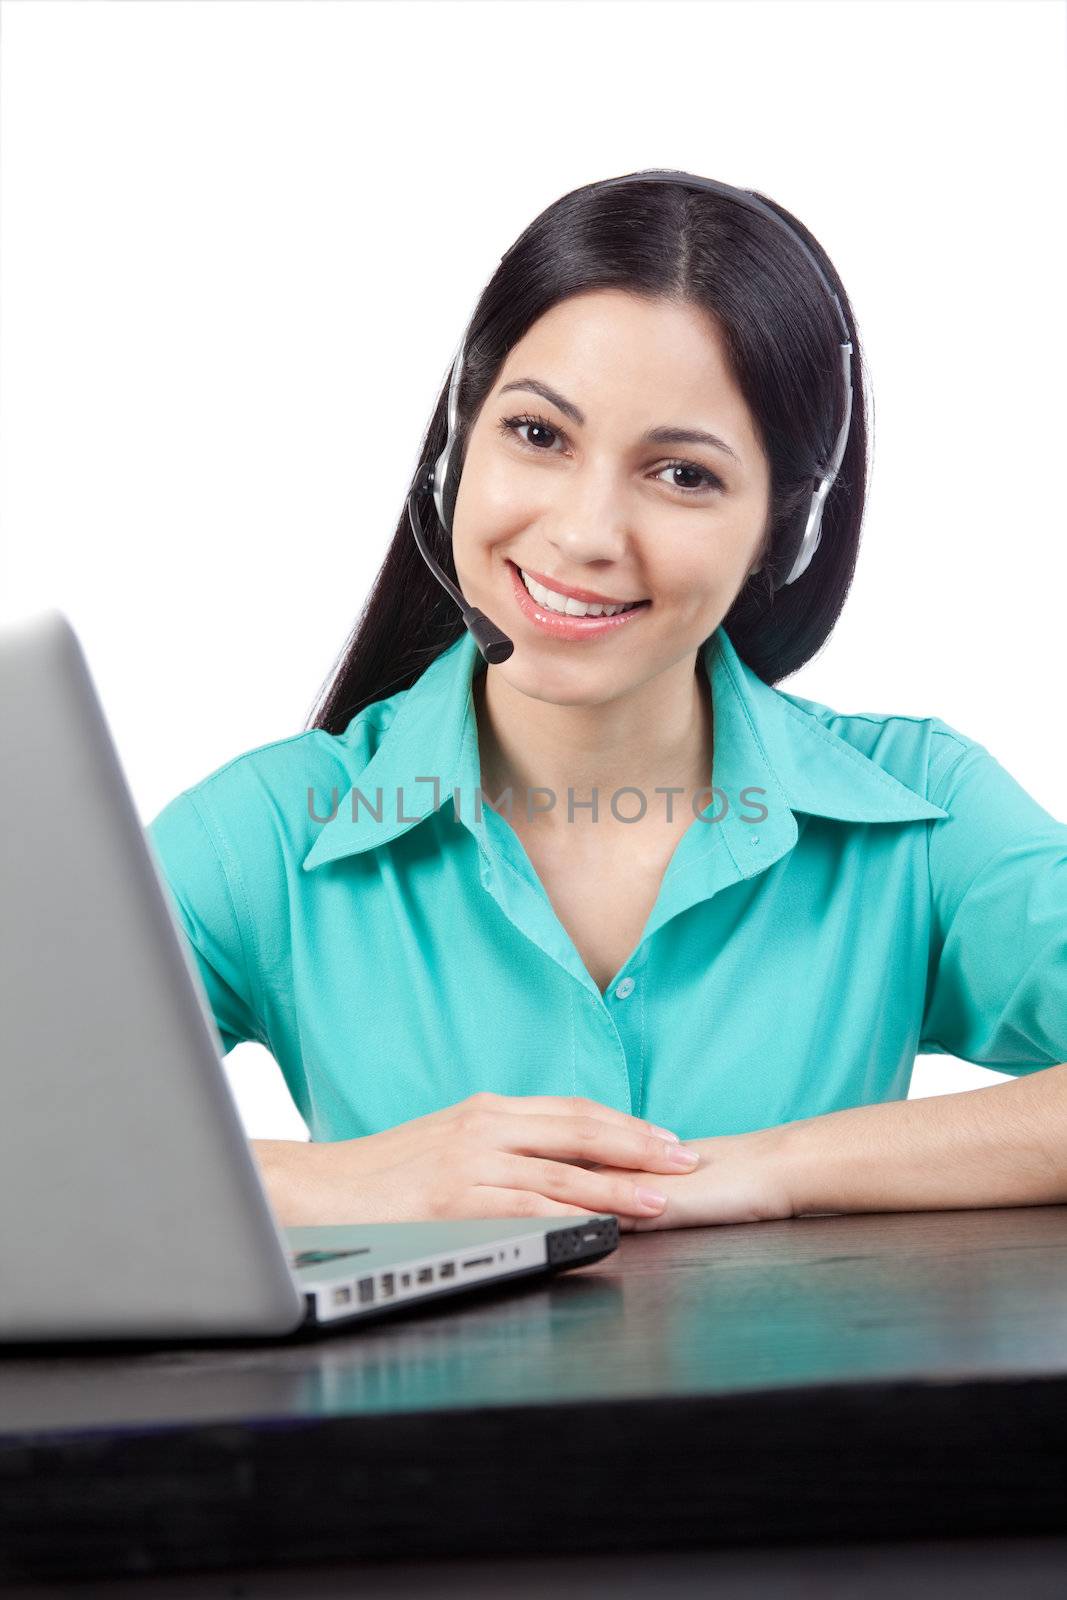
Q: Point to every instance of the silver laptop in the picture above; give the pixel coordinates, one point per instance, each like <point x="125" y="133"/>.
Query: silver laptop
<point x="132" y="1206"/>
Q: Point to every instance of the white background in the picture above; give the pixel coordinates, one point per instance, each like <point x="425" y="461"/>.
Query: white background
<point x="239" y="243"/>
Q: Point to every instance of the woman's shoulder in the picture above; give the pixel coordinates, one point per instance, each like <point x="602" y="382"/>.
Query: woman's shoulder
<point x="313" y="754"/>
<point x="264" y="807"/>
<point x="918" y="750"/>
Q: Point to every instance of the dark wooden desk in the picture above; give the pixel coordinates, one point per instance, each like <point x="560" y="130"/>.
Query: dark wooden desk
<point x="826" y="1379"/>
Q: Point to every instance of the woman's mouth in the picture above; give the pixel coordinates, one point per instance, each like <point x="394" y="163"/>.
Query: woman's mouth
<point x="545" y="610"/>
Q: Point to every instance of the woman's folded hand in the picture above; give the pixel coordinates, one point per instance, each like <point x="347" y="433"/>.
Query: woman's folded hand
<point x="490" y="1155"/>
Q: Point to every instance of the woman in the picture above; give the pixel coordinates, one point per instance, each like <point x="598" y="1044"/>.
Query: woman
<point x="506" y="927"/>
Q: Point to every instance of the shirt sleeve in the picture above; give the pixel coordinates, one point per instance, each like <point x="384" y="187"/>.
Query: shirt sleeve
<point x="996" y="989"/>
<point x="192" y="872"/>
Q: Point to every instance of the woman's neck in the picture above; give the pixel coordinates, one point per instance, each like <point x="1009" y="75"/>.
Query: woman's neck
<point x="660" y="735"/>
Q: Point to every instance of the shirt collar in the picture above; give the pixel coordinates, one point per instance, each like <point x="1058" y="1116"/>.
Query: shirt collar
<point x="763" y="743"/>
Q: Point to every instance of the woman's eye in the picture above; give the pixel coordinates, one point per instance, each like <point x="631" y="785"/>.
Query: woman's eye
<point x="706" y="481"/>
<point x="514" y="424"/>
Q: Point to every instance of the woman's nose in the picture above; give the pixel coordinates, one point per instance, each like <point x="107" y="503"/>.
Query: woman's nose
<point x="591" y="521"/>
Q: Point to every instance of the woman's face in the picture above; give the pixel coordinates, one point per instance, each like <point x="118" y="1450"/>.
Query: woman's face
<point x="595" y="506"/>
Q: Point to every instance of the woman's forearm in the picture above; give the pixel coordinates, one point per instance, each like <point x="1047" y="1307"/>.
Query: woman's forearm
<point x="1003" y="1145"/>
<point x="283" y="1167"/>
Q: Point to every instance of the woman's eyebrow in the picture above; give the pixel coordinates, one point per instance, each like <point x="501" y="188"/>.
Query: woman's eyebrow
<point x="653" y="436"/>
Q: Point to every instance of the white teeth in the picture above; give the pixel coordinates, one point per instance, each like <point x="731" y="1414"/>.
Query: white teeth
<point x="565" y="605"/>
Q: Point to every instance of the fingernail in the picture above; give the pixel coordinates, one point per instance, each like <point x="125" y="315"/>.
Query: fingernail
<point x="680" y="1157"/>
<point x="649" y="1198"/>
<point x="664" y="1133"/>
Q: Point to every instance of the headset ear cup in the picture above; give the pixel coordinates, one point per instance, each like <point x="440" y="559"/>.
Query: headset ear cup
<point x="806" y="535"/>
<point x="447" y="479"/>
<point x="439" y="476"/>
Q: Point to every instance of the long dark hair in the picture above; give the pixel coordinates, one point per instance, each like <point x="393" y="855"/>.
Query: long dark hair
<point x="662" y="241"/>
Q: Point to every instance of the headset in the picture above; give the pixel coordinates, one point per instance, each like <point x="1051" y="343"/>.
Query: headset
<point x="431" y="477"/>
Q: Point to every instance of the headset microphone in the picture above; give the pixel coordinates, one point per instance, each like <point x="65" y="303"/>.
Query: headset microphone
<point x="494" y="645"/>
<point x="430" y="479"/>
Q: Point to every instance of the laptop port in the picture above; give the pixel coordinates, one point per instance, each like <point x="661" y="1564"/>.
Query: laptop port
<point x="405" y="1281"/>
<point x="448" y="1269"/>
<point x="425" y="1275"/>
<point x="366" y="1290"/>
<point x="388" y="1283"/>
<point x="478" y="1261"/>
<point x="342" y="1296"/>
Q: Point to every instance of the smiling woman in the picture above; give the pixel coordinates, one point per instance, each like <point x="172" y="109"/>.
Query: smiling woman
<point x="651" y="318"/>
<point x="650" y="414"/>
<point x="593" y="510"/>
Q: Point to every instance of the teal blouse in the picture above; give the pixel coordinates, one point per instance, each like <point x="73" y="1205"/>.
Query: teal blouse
<point x="859" y="889"/>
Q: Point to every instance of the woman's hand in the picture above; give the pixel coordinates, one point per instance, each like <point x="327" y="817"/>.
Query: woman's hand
<point x="742" y="1177"/>
<point x="490" y="1155"/>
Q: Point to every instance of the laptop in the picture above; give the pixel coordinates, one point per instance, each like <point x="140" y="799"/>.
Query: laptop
<point x="133" y="1207"/>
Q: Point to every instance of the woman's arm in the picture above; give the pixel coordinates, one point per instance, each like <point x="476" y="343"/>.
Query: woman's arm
<point x="283" y="1168"/>
<point x="1004" y="1145"/>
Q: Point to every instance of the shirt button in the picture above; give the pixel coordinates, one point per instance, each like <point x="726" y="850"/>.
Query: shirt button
<point x="624" y="988"/>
